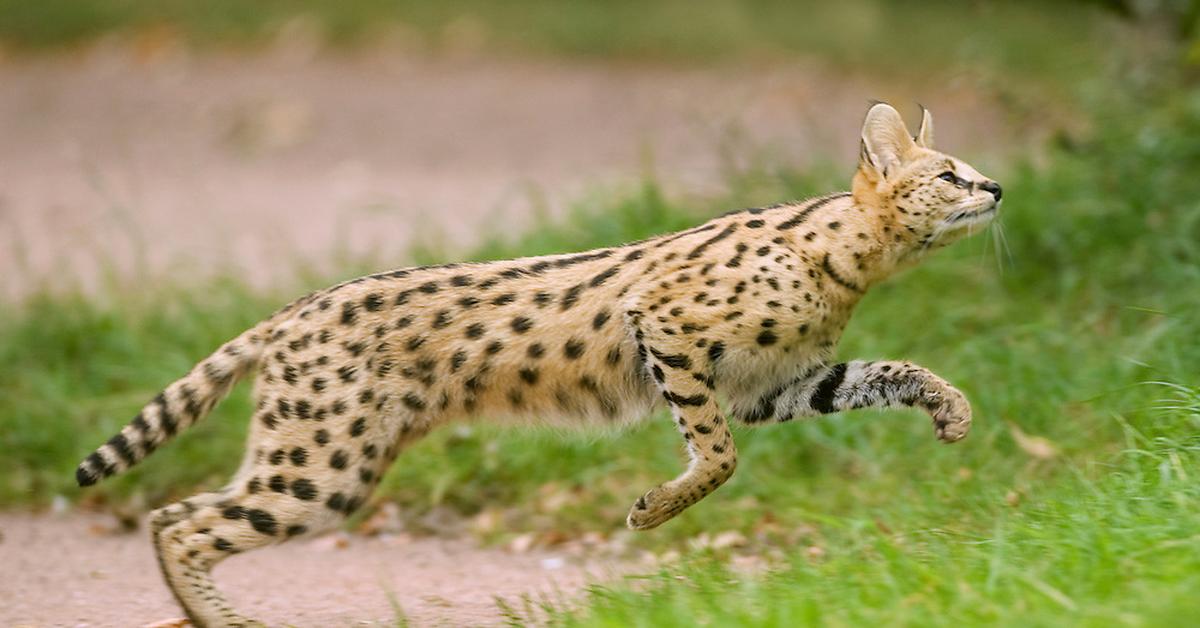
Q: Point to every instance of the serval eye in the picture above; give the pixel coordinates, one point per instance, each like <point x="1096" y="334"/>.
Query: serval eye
<point x="948" y="176"/>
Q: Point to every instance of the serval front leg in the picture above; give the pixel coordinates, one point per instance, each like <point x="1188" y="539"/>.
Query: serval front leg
<point x="861" y="384"/>
<point x="685" y="379"/>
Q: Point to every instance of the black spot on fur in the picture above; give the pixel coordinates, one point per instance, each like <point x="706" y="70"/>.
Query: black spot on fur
<point x="563" y="262"/>
<point x="601" y="317"/>
<point x="304" y="490"/>
<point x="571" y="296"/>
<point x="219" y="376"/>
<point x="413" y="402"/>
<point x="680" y="400"/>
<point x="457" y="360"/>
<point x="803" y="214"/>
<point x="599" y="279"/>
<point x="675" y="361"/>
<point x="725" y="233"/>
<point x="836" y="277"/>
<point x="349" y="313"/>
<point x="528" y="375"/>
<point x="658" y="374"/>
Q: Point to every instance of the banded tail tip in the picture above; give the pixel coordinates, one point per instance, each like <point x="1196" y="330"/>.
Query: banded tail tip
<point x="93" y="469"/>
<point x="85" y="477"/>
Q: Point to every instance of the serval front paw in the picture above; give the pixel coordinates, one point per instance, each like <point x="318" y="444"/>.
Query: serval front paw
<point x="950" y="411"/>
<point x="654" y="508"/>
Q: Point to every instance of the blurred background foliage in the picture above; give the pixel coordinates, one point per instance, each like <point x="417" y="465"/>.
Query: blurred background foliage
<point x="931" y="37"/>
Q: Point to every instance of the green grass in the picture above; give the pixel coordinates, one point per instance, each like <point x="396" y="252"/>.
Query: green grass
<point x="1113" y="542"/>
<point x="1062" y="338"/>
<point x="990" y="44"/>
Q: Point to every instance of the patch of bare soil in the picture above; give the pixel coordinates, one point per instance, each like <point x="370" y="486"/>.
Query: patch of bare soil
<point x="76" y="571"/>
<point x="147" y="164"/>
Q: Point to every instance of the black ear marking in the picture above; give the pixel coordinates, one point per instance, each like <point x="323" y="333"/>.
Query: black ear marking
<point x="864" y="156"/>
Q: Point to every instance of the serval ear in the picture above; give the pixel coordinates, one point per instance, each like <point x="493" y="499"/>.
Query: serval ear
<point x="885" y="141"/>
<point x="924" y="136"/>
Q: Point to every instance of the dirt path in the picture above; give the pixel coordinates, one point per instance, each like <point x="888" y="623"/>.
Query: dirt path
<point x="111" y="160"/>
<point x="74" y="571"/>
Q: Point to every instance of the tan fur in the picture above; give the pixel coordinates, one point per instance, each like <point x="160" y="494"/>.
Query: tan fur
<point x="748" y="307"/>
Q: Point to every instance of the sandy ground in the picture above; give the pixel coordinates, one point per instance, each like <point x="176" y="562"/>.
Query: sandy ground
<point x="75" y="571"/>
<point x="146" y="163"/>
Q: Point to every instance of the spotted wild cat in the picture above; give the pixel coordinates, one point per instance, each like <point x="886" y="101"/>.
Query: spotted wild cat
<point x="747" y="308"/>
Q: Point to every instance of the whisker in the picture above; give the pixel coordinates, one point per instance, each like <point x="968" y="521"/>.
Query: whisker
<point x="1003" y="238"/>
<point x="996" y="246"/>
